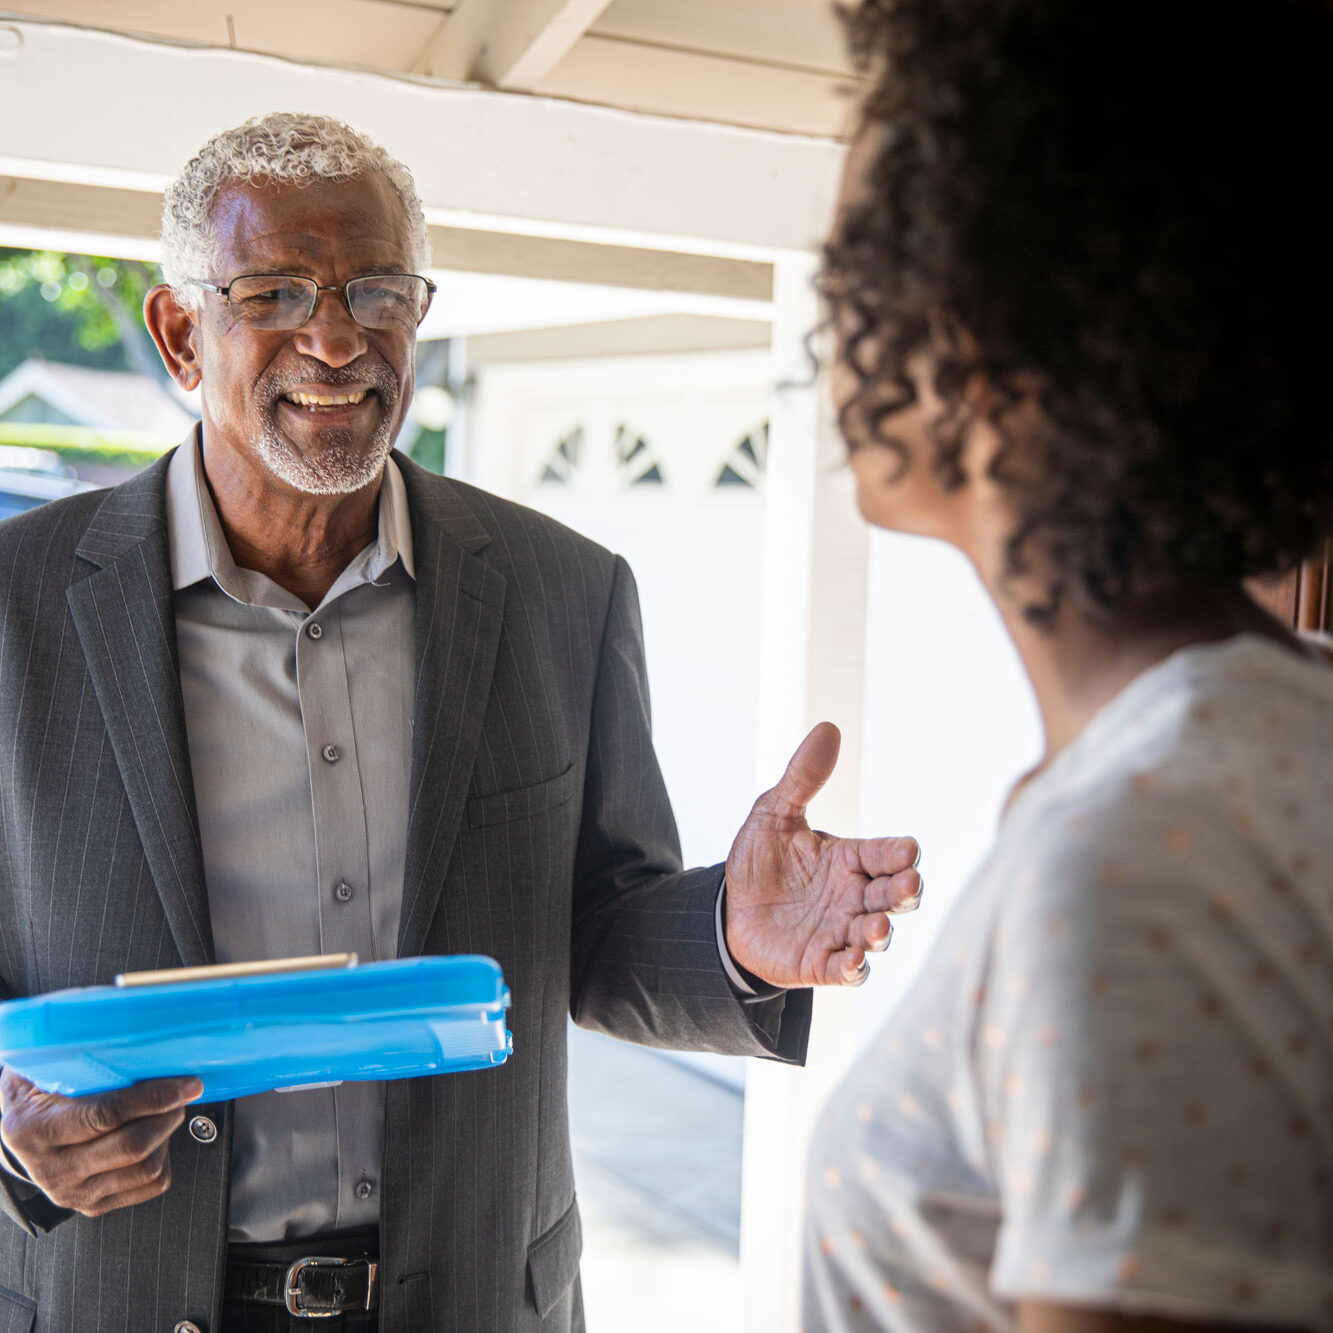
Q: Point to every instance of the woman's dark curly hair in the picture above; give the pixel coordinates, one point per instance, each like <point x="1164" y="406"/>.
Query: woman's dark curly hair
<point x="1126" y="204"/>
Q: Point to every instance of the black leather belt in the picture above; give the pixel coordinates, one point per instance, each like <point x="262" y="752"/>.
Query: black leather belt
<point x="311" y="1287"/>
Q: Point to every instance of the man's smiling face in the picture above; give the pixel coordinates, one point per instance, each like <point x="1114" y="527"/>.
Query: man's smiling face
<point x="317" y="408"/>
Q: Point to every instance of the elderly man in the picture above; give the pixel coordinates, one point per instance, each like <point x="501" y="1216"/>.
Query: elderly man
<point x="287" y="693"/>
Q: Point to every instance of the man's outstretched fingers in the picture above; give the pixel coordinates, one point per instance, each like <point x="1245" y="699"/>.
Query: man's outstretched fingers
<point x="886" y="856"/>
<point x="848" y="967"/>
<point x="899" y="893"/>
<point x="893" y="893"/>
<point x="809" y="768"/>
<point x="871" y="932"/>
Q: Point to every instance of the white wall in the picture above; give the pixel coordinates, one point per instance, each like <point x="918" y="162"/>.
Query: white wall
<point x="950" y="723"/>
<point x="696" y="551"/>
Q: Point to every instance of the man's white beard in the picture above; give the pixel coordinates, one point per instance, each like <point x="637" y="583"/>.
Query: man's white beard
<point x="335" y="470"/>
<point x="340" y="467"/>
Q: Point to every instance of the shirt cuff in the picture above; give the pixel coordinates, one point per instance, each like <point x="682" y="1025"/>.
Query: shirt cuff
<point x="749" y="987"/>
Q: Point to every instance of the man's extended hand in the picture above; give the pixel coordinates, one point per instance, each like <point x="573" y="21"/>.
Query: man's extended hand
<point x="92" y="1154"/>
<point x="803" y="908"/>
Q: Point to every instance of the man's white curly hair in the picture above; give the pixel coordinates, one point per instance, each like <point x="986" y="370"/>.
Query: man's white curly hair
<point x="282" y="146"/>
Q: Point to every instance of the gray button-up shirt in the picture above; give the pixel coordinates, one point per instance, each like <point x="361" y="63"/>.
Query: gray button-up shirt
<point x="300" y="731"/>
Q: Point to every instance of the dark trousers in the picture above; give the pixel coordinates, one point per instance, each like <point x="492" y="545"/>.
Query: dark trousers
<point x="252" y="1317"/>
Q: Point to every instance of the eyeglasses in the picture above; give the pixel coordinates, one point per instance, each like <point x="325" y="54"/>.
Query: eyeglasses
<point x="284" y="301"/>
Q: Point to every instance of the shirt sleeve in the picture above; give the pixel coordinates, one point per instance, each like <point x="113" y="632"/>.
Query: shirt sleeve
<point x="1152" y="1053"/>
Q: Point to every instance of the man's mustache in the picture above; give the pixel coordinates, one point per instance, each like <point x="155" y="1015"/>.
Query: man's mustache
<point x="372" y="370"/>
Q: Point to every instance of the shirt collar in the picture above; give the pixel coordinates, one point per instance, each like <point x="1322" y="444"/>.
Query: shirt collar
<point x="199" y="548"/>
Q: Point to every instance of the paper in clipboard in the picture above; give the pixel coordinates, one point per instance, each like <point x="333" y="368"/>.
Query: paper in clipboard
<point x="249" y="1028"/>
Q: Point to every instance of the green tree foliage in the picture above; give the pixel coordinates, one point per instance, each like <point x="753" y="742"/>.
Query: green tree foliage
<point x="83" y="309"/>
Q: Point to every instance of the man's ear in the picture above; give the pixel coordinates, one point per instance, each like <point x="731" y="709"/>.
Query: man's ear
<point x="175" y="330"/>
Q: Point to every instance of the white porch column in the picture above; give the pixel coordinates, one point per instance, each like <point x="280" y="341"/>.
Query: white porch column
<point x="812" y="668"/>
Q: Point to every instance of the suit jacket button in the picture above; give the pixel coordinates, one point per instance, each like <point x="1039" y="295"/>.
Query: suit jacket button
<point x="186" y="1326"/>
<point x="202" y="1129"/>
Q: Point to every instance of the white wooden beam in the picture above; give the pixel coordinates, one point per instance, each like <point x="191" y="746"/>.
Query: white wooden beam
<point x="652" y="335"/>
<point x="507" y="43"/>
<point x="647" y="77"/>
<point x="58" y="215"/>
<point x="812" y="668"/>
<point x="482" y="159"/>
<point x="452" y="50"/>
<point x="84" y="219"/>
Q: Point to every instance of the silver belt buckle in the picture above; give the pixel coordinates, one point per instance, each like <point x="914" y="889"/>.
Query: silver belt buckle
<point x="293" y="1292"/>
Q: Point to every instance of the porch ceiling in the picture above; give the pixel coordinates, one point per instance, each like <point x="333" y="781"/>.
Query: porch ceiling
<point x="769" y="64"/>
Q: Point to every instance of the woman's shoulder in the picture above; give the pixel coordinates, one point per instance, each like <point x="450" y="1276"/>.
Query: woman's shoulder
<point x="1116" y="881"/>
<point x="1218" y="773"/>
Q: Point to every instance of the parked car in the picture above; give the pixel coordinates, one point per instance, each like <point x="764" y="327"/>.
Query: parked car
<point x="31" y="477"/>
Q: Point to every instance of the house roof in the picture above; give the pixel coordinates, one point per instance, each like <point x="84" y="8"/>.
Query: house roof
<point x="111" y="399"/>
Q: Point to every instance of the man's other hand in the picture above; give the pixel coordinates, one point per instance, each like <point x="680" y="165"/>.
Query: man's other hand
<point x="804" y="908"/>
<point x="92" y="1154"/>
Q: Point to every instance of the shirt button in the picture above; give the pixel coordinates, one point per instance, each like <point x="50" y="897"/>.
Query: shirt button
<point x="364" y="1189"/>
<point x="342" y="891"/>
<point x="331" y="753"/>
<point x="316" y="631"/>
<point x="202" y="1129"/>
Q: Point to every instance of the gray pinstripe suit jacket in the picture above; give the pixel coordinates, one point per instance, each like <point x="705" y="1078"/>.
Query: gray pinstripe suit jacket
<point x="539" y="833"/>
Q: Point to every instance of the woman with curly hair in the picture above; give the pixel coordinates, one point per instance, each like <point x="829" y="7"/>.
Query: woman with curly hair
<point x="1081" y="287"/>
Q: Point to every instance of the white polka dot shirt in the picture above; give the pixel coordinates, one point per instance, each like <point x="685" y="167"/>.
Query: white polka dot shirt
<point x="1113" y="1084"/>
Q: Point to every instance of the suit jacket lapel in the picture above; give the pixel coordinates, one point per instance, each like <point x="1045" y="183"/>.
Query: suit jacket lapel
<point x="459" y="612"/>
<point x="123" y="613"/>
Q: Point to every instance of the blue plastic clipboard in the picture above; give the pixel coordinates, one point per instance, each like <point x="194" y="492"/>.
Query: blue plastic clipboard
<point x="250" y="1034"/>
